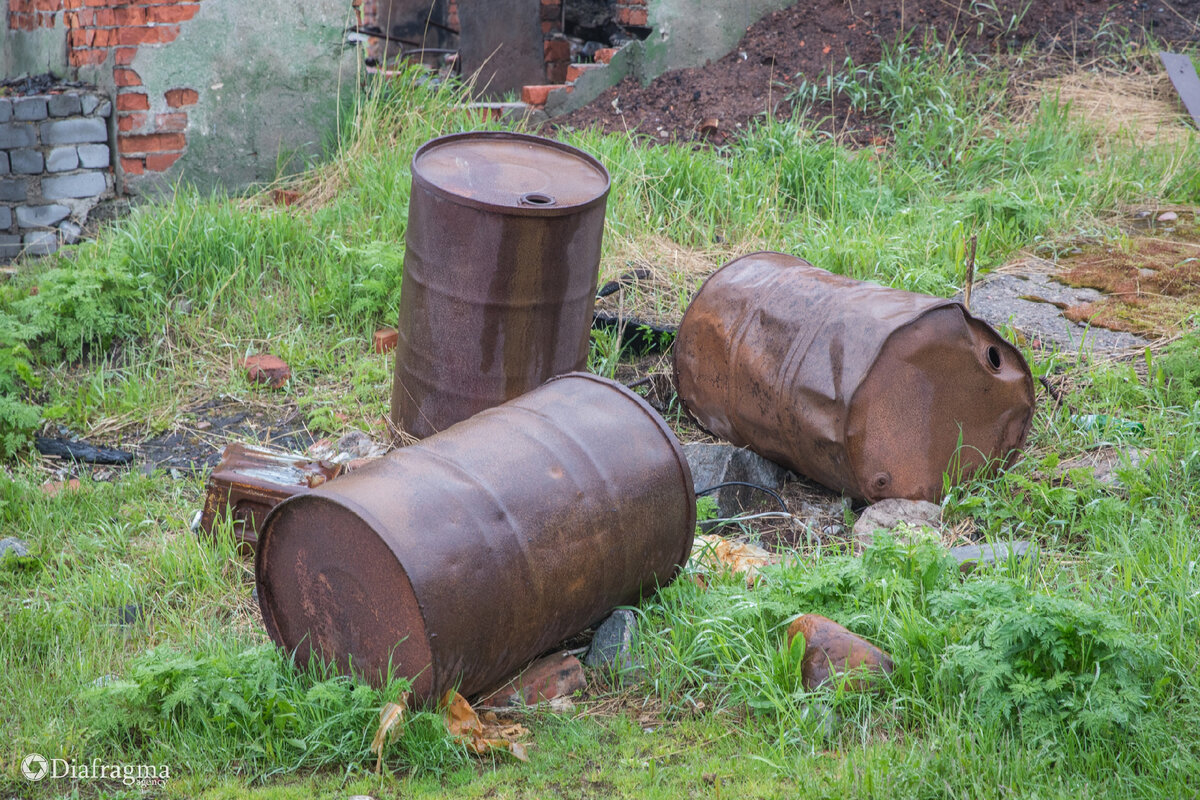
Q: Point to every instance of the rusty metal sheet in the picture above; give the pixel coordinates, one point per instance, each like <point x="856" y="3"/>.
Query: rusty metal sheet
<point x="502" y="257"/>
<point x="250" y="481"/>
<point x="500" y="45"/>
<point x="1182" y="71"/>
<point x="462" y="557"/>
<point x="866" y="389"/>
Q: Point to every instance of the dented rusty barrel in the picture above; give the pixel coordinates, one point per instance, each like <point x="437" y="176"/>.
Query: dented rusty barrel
<point x="464" y="556"/>
<point x="501" y="262"/>
<point x="866" y="389"/>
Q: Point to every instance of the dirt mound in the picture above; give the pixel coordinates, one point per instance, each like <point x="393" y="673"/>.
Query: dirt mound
<point x="811" y="39"/>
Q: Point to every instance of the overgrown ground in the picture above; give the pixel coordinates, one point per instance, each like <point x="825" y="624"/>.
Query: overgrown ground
<point x="1067" y="673"/>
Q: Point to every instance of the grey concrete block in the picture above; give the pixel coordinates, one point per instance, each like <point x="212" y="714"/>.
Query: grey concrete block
<point x="62" y="159"/>
<point x="3" y="163"/>
<point x="13" y="190"/>
<point x="64" y="105"/>
<point x="26" y="162"/>
<point x="5" y="218"/>
<point x="40" y="243"/>
<point x="104" y="109"/>
<point x="10" y="247"/>
<point x="69" y="232"/>
<point x="93" y="156"/>
<point x="82" y="184"/>
<point x="88" y="102"/>
<point x="29" y="109"/>
<point x="74" y="131"/>
<point x="15" y="134"/>
<point x="5" y="109"/>
<point x="41" y="216"/>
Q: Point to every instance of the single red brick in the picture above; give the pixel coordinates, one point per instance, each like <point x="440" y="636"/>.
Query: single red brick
<point x="536" y="95"/>
<point x="557" y="50"/>
<point x="636" y="17"/>
<point x="177" y="98"/>
<point x="130" y="16"/>
<point x="176" y="13"/>
<point x="284" y="197"/>
<point x="171" y="123"/>
<point x="556" y="72"/>
<point x="51" y="488"/>
<point x="87" y="58"/>
<point x="558" y="675"/>
<point x="268" y="369"/>
<point x="386" y="340"/>
<point x="133" y="166"/>
<point x="124" y="55"/>
<point x="132" y="101"/>
<point x="130" y="121"/>
<point x="126" y="77"/>
<point x="604" y="55"/>
<point x="102" y="18"/>
<point x="160" y="162"/>
<point x="151" y="143"/>
<point x="575" y="71"/>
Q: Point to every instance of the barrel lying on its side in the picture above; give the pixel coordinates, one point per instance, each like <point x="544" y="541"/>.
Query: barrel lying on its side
<point x="464" y="556"/>
<point x="872" y="391"/>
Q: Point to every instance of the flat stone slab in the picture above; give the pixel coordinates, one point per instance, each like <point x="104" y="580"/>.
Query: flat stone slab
<point x="1032" y="302"/>
<point x="970" y="556"/>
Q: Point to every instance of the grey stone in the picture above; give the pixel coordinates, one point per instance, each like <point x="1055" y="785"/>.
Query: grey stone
<point x="88" y="102"/>
<point x="69" y="232"/>
<point x="16" y="134"/>
<point x="64" y="105"/>
<point x="3" y="163"/>
<point x="1104" y="463"/>
<point x="713" y="464"/>
<point x="41" y="243"/>
<point x="62" y="159"/>
<point x="82" y="184"/>
<point x="10" y="246"/>
<point x="1168" y="216"/>
<point x="29" y="109"/>
<point x="13" y="546"/>
<point x="104" y="109"/>
<point x="12" y="190"/>
<point x="41" y="216"/>
<point x="26" y="161"/>
<point x="888" y="515"/>
<point x="613" y="643"/>
<point x="93" y="156"/>
<point x="5" y="109"/>
<point x="970" y="556"/>
<point x="74" y="131"/>
<point x="5" y="218"/>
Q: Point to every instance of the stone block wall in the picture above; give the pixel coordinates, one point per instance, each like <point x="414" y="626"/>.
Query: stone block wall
<point x="55" y="166"/>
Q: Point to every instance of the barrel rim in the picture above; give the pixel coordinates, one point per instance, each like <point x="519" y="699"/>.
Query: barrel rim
<point x="427" y="185"/>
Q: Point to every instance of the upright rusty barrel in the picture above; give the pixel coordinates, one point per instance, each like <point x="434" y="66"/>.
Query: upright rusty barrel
<point x="462" y="557"/>
<point x="500" y="269"/>
<point x="872" y="391"/>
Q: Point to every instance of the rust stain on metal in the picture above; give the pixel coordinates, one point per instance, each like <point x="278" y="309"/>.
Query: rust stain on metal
<point x="866" y="389"/>
<point x="250" y="481"/>
<point x="502" y="256"/>
<point x="463" y="556"/>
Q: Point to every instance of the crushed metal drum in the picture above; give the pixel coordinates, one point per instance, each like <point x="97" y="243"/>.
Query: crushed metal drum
<point x="872" y="391"/>
<point x="502" y="257"/>
<point x="250" y="481"/>
<point x="456" y="560"/>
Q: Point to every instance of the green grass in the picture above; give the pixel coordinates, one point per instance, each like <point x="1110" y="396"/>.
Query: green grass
<point x="1068" y="672"/>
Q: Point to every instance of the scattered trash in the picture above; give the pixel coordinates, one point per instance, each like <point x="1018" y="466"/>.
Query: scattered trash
<point x="52" y="488"/>
<point x="268" y="369"/>
<point x="482" y="735"/>
<point x="612" y="645"/>
<point x="970" y="556"/>
<point x="351" y="447"/>
<point x="548" y="678"/>
<point x="489" y="316"/>
<point x="1103" y="423"/>
<point x="711" y="551"/>
<point x="250" y="481"/>
<point x="831" y="651"/>
<point x="736" y="467"/>
<point x="391" y="719"/>
<point x="1183" y="77"/>
<point x="459" y="558"/>
<point x="871" y="391"/>
<point x="81" y="451"/>
<point x="891" y="514"/>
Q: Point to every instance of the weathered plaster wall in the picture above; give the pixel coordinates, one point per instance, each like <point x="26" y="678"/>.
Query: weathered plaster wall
<point x="32" y="41"/>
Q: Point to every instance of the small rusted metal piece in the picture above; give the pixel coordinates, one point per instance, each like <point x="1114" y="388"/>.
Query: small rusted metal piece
<point x="458" y="559"/>
<point x="872" y="391"/>
<point x="250" y="481"/>
<point x="500" y="269"/>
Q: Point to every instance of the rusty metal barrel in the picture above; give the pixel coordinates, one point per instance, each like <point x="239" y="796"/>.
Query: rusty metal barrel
<point x="502" y="255"/>
<point x="464" y="556"/>
<point x="871" y="391"/>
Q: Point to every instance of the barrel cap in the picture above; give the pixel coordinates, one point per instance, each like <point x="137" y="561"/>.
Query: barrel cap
<point x="522" y="173"/>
